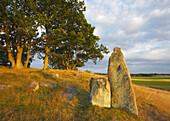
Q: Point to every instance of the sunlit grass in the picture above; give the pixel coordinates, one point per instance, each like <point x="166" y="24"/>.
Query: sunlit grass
<point x="17" y="103"/>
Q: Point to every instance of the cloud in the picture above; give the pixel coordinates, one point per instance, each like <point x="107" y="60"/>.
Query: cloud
<point x="140" y="28"/>
<point x="133" y="24"/>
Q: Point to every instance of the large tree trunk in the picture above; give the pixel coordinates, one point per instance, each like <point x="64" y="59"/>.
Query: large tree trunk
<point x="19" y="64"/>
<point x="47" y="50"/>
<point x="28" y="55"/>
<point x="74" y="65"/>
<point x="10" y="57"/>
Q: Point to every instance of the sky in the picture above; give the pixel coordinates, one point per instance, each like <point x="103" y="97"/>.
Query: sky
<point x="141" y="28"/>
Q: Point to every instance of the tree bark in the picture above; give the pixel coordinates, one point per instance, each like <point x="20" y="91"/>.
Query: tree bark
<point x="47" y="50"/>
<point x="28" y="55"/>
<point x="10" y="57"/>
<point x="74" y="66"/>
<point x="19" y="64"/>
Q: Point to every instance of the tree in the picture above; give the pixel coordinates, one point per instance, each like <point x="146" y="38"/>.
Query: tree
<point x="18" y="26"/>
<point x="51" y="14"/>
<point x="4" y="55"/>
<point x="80" y="42"/>
<point x="67" y="38"/>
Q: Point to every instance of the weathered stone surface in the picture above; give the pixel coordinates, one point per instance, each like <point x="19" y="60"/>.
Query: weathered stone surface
<point x="69" y="94"/>
<point x="122" y="93"/>
<point x="2" y="87"/>
<point x="33" y="86"/>
<point x="47" y="84"/>
<point x="72" y="90"/>
<point x="68" y="97"/>
<point x="100" y="92"/>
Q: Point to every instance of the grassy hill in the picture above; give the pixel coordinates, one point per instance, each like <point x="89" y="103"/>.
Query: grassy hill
<point x="17" y="103"/>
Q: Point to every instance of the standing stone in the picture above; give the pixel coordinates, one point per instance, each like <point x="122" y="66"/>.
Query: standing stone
<point x="100" y="92"/>
<point x="122" y="93"/>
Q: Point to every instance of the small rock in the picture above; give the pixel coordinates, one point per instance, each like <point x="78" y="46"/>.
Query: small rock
<point x="56" y="75"/>
<point x="2" y="87"/>
<point x="100" y="93"/>
<point x="65" y="83"/>
<point x="76" y="74"/>
<point x="47" y="84"/>
<point x="33" y="86"/>
<point x="68" y="97"/>
<point x="72" y="90"/>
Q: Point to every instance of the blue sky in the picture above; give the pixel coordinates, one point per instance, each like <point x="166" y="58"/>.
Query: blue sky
<point x="141" y="28"/>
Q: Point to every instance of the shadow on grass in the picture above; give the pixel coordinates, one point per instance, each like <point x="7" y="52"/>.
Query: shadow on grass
<point x="44" y="75"/>
<point x="83" y="106"/>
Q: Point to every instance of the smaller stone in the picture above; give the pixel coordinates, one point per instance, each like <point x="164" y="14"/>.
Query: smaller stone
<point x="100" y="93"/>
<point x="72" y="90"/>
<point x="47" y="84"/>
<point x="76" y="74"/>
<point x="34" y="86"/>
<point x="65" y="84"/>
<point x="68" y="97"/>
<point x="56" y="75"/>
<point x="2" y="87"/>
<point x="69" y="94"/>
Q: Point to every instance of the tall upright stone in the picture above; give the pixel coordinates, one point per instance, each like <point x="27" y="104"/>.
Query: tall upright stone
<point x="122" y="93"/>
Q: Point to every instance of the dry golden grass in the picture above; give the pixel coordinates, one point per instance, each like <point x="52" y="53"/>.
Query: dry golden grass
<point x="18" y="103"/>
<point x="153" y="104"/>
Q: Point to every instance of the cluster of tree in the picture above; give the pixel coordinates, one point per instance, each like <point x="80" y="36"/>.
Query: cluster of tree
<point x="67" y="40"/>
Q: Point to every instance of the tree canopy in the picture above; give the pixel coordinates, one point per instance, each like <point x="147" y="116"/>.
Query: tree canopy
<point x="68" y="40"/>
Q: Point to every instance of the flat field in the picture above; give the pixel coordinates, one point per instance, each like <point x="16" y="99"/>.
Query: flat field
<point x="157" y="82"/>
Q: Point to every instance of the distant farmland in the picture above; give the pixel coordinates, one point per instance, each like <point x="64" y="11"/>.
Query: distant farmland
<point x="158" y="82"/>
<point x="149" y="80"/>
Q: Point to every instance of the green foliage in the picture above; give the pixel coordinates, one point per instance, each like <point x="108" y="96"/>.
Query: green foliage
<point x="68" y="39"/>
<point x="79" y="44"/>
<point x="18" y="27"/>
<point x="88" y="71"/>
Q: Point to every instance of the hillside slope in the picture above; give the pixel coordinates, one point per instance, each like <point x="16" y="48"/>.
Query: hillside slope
<point x="17" y="103"/>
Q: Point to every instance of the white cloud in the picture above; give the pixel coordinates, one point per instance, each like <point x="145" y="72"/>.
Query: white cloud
<point x="133" y="23"/>
<point x="157" y="13"/>
<point x="105" y="19"/>
<point x="149" y="50"/>
<point x="158" y="54"/>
